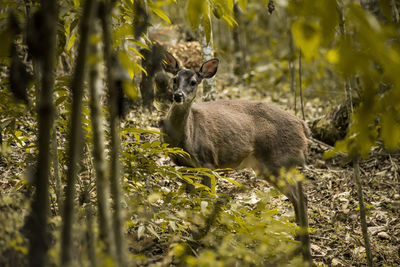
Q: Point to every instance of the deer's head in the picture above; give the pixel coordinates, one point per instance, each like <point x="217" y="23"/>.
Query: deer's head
<point x="185" y="81"/>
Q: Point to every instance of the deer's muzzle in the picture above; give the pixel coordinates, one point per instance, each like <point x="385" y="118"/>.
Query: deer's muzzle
<point x="178" y="97"/>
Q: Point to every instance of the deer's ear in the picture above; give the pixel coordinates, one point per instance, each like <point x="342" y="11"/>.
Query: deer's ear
<point x="171" y="65"/>
<point x="209" y="68"/>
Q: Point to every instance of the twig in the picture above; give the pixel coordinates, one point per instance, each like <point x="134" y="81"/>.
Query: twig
<point x="320" y="142"/>
<point x="362" y="211"/>
<point x="301" y="89"/>
<point x="292" y="73"/>
<point x="395" y="167"/>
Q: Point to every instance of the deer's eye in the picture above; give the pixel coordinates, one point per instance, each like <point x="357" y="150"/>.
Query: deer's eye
<point x="174" y="80"/>
<point x="193" y="83"/>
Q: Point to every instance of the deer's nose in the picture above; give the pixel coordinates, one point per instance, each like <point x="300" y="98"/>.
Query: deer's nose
<point x="178" y="97"/>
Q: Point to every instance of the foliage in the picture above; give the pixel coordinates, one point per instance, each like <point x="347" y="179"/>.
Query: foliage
<point x="243" y="231"/>
<point x="369" y="51"/>
<point x="198" y="12"/>
<point x="13" y="245"/>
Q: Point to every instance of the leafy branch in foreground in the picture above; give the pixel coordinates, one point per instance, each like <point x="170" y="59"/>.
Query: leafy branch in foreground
<point x="196" y="228"/>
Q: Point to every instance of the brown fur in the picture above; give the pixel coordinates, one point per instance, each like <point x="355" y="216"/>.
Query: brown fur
<point x="226" y="134"/>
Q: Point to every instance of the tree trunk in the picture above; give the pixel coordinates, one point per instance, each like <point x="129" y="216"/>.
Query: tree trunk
<point x="75" y="142"/>
<point x="239" y="46"/>
<point x="115" y="175"/>
<point x="152" y="64"/>
<point x="209" y="91"/>
<point x="39" y="236"/>
<point x="105" y="233"/>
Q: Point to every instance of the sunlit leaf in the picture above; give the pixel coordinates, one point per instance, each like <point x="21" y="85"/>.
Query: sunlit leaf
<point x="71" y="41"/>
<point x="60" y="100"/>
<point x="390" y="131"/>
<point x="138" y="43"/>
<point x="161" y="14"/>
<point x="242" y="4"/>
<point x="136" y="51"/>
<point x="130" y="89"/>
<point x="194" y="10"/>
<point x="156" y="143"/>
<point x="121" y="33"/>
<point x="207" y="27"/>
<point x="307" y="37"/>
<point x="332" y="56"/>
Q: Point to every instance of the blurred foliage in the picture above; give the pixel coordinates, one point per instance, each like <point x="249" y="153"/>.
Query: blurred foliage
<point x="199" y="12"/>
<point x="369" y="50"/>
<point x="13" y="245"/>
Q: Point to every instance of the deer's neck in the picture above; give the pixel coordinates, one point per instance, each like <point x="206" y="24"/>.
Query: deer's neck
<point x="176" y="123"/>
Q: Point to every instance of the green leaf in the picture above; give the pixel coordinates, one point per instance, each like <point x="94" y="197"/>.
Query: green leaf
<point x="242" y="4"/>
<point x="172" y="224"/>
<point x="121" y="33"/>
<point x="130" y="89"/>
<point x="194" y="10"/>
<point x="60" y="100"/>
<point x="230" y="20"/>
<point x="307" y="37"/>
<point x="155" y="143"/>
<point x="390" y="131"/>
<point x="129" y="65"/>
<point x="207" y="27"/>
<point x="230" y="180"/>
<point x="71" y="41"/>
<point x="329" y="19"/>
<point x="138" y="43"/>
<point x="161" y="14"/>
<point x="136" y="51"/>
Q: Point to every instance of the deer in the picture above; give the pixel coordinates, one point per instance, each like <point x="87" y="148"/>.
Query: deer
<point x="233" y="134"/>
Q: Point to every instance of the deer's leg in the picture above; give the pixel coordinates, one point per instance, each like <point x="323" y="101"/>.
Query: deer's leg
<point x="298" y="199"/>
<point x="295" y="194"/>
